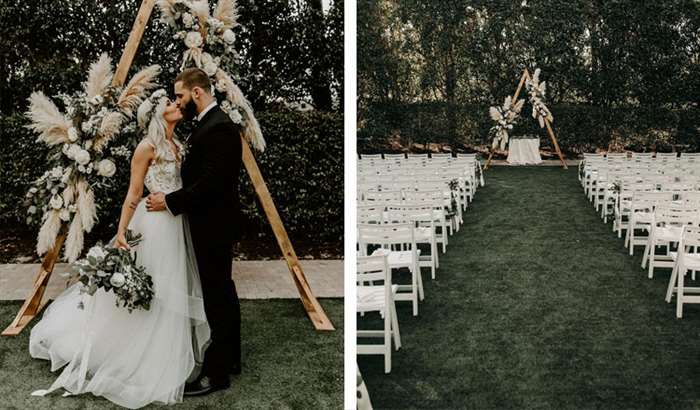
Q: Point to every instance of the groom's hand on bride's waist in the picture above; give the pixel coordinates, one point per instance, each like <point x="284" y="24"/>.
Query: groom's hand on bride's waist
<point x="156" y="202"/>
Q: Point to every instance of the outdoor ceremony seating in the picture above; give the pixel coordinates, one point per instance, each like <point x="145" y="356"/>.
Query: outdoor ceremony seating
<point x="377" y="297"/>
<point x="687" y="258"/>
<point x="665" y="230"/>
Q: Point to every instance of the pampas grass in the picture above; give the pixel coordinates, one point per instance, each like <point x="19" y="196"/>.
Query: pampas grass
<point x="251" y="131"/>
<point x="68" y="195"/>
<point x="47" y="120"/>
<point x="48" y="232"/>
<point x="99" y="77"/>
<point x="134" y="92"/>
<point x="167" y="8"/>
<point x="86" y="205"/>
<point x="226" y="12"/>
<point x="200" y="9"/>
<point x="74" y="240"/>
<point x="109" y="128"/>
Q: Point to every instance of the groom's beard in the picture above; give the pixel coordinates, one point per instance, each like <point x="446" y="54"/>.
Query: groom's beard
<point x="189" y="111"/>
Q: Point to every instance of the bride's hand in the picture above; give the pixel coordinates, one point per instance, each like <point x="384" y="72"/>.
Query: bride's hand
<point x="121" y="242"/>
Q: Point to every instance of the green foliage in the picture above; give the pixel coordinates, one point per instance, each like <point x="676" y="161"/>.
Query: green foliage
<point x="302" y="166"/>
<point x="632" y="65"/>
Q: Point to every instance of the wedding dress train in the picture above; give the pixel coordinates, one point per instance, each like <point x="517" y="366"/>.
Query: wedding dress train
<point x="137" y="358"/>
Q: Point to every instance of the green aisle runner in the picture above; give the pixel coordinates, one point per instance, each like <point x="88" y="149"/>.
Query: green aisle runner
<point x="537" y="305"/>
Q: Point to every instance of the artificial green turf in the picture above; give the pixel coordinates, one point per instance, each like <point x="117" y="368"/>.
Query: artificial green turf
<point x="286" y="364"/>
<point x="537" y="305"/>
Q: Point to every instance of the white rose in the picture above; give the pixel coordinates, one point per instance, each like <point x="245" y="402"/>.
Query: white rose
<point x="72" y="134"/>
<point x="210" y="68"/>
<point x="106" y="168"/>
<point x="32" y="209"/>
<point x="220" y="86"/>
<point x="56" y="172"/>
<point x="81" y="168"/>
<point x="235" y="116"/>
<point x="89" y="168"/>
<point x="64" y="215"/>
<point x="56" y="202"/>
<point x="72" y="151"/>
<point x="96" y="100"/>
<point x="207" y="58"/>
<point x="82" y="157"/>
<point x="193" y="39"/>
<point x="88" y="144"/>
<point x="86" y="127"/>
<point x="97" y="252"/>
<point x="187" y="19"/>
<point x="229" y="37"/>
<point x="117" y="280"/>
<point x="33" y="190"/>
<point x="159" y="94"/>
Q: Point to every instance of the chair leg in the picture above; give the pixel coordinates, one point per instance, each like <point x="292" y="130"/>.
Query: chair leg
<point x="672" y="282"/>
<point x="387" y="339"/>
<point x="631" y="241"/>
<point x="679" y="295"/>
<point x="648" y="256"/>
<point x="395" y="326"/>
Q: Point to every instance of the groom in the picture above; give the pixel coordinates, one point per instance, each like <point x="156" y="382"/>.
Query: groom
<point x="209" y="198"/>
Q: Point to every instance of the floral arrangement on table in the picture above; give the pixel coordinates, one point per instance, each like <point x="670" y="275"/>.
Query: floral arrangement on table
<point x="115" y="269"/>
<point x="78" y="161"/>
<point x="197" y="26"/>
<point x="505" y="117"/>
<point x="536" y="90"/>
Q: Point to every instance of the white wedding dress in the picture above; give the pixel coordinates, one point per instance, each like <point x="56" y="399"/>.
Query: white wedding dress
<point x="142" y="357"/>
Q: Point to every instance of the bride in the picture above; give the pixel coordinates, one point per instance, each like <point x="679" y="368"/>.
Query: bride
<point x="137" y="358"/>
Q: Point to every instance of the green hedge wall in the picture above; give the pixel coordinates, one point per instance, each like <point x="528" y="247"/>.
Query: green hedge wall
<point x="303" y="168"/>
<point x="579" y="128"/>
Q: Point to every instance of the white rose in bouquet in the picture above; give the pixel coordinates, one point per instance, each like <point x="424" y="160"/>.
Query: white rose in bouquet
<point x="56" y="202"/>
<point x="31" y="209"/>
<point x="72" y="134"/>
<point x="229" y="36"/>
<point x="210" y="69"/>
<point x="97" y="252"/>
<point x="82" y="156"/>
<point x="117" y="280"/>
<point x="57" y="172"/>
<point x="220" y="86"/>
<point x="193" y="39"/>
<point x="106" y="168"/>
<point x="86" y="126"/>
<point x="187" y="20"/>
<point x="64" y="215"/>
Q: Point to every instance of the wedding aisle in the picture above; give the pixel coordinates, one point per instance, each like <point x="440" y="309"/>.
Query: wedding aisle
<point x="286" y="364"/>
<point x="538" y="305"/>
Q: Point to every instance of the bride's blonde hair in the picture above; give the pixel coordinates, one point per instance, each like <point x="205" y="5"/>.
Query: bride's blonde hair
<point x="150" y="117"/>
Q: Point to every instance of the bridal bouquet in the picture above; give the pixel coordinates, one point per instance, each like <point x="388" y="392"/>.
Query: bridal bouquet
<point x="115" y="269"/>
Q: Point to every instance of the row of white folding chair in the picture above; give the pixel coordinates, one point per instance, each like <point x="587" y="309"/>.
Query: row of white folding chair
<point x="376" y="293"/>
<point x="398" y="242"/>
<point x="378" y="214"/>
<point x="437" y="198"/>
<point x="648" y="183"/>
<point x="685" y="259"/>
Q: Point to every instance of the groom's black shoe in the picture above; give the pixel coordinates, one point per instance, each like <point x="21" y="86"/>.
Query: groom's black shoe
<point x="205" y="385"/>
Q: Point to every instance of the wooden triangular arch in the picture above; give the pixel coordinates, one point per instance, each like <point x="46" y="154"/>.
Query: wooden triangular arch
<point x="523" y="78"/>
<point x="34" y="303"/>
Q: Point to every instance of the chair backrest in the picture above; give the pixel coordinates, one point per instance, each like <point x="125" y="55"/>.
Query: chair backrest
<point x="382" y="196"/>
<point x="440" y="155"/>
<point x="370" y="214"/>
<point x="689" y="196"/>
<point x="394" y="156"/>
<point x="666" y="155"/>
<point x="385" y="235"/>
<point x="676" y="214"/>
<point x="412" y="155"/>
<point x="647" y="201"/>
<point x="370" y="156"/>
<point x="373" y="268"/>
<point x="421" y="214"/>
<point x="690" y="239"/>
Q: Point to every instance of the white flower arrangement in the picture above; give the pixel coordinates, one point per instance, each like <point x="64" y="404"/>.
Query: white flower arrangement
<point x="94" y="116"/>
<point x="198" y="27"/>
<point x="537" y="90"/>
<point x="505" y="117"/>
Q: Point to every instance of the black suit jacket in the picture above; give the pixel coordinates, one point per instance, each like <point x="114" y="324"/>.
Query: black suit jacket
<point x="209" y="194"/>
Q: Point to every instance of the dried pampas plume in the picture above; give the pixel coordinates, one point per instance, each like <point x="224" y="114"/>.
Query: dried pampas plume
<point x="86" y="205"/>
<point x="99" y="77"/>
<point x="200" y="9"/>
<point x="226" y="12"/>
<point x="251" y="132"/>
<point x="48" y="232"/>
<point x="69" y="195"/>
<point x="167" y="8"/>
<point x="109" y="127"/>
<point x="51" y="125"/>
<point x="134" y="92"/>
<point x="74" y="240"/>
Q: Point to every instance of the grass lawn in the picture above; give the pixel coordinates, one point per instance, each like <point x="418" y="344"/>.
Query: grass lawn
<point x="286" y="364"/>
<point x="538" y="306"/>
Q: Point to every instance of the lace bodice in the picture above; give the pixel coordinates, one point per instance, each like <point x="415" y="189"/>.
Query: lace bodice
<point x="164" y="175"/>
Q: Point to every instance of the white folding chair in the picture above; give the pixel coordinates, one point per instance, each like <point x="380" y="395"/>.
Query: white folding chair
<point x="425" y="233"/>
<point x="373" y="297"/>
<point x="398" y="243"/>
<point x="665" y="230"/>
<point x="641" y="211"/>
<point x="687" y="258"/>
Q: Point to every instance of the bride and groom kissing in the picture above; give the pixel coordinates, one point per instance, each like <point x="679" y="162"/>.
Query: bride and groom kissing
<point x="188" y="343"/>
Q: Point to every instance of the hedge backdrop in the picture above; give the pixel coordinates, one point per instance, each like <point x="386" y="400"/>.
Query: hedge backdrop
<point x="620" y="70"/>
<point x="292" y="50"/>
